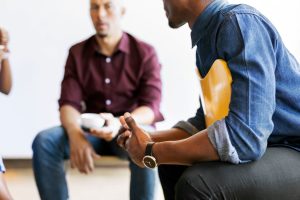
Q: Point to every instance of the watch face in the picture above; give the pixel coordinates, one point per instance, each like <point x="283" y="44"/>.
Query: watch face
<point x="149" y="161"/>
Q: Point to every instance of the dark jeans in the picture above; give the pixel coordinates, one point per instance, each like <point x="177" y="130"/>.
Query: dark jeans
<point x="51" y="149"/>
<point x="276" y="176"/>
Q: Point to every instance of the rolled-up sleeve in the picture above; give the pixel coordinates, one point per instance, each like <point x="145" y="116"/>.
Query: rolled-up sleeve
<point x="71" y="91"/>
<point x="247" y="46"/>
<point x="149" y="90"/>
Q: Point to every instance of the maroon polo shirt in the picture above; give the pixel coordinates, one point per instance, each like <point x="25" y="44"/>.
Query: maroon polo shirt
<point x="128" y="79"/>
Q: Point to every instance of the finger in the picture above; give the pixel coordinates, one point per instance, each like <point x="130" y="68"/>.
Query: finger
<point x="122" y="139"/>
<point x="89" y="160"/>
<point x="96" y="156"/>
<point x="108" y="138"/>
<point x="81" y="161"/>
<point x="72" y="163"/>
<point x="98" y="135"/>
<point x="123" y="122"/>
<point x="121" y="131"/>
<point x="131" y="122"/>
<point x="74" y="160"/>
<point x="95" y="132"/>
<point x="103" y="133"/>
<point x="127" y="140"/>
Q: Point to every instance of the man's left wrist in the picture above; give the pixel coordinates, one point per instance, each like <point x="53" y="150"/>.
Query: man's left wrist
<point x="149" y="160"/>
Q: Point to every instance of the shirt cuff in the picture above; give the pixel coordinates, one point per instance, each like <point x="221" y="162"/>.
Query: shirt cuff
<point x="219" y="137"/>
<point x="2" y="167"/>
<point x="187" y="127"/>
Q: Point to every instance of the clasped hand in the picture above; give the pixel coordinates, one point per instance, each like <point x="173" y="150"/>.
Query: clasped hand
<point x="3" y="44"/>
<point x="133" y="139"/>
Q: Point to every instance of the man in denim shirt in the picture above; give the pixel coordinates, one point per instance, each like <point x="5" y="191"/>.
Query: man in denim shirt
<point x="264" y="110"/>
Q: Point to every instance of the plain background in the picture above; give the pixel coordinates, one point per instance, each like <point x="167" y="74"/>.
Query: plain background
<point x="42" y="31"/>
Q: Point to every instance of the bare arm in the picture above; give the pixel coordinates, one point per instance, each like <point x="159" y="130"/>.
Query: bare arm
<point x="169" y="135"/>
<point x="5" y="76"/>
<point x="4" y="193"/>
<point x="81" y="151"/>
<point x="5" y="73"/>
<point x="69" y="117"/>
<point x="186" y="151"/>
<point x="143" y="115"/>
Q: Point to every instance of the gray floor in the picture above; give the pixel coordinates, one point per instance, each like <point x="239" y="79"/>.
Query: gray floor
<point x="106" y="182"/>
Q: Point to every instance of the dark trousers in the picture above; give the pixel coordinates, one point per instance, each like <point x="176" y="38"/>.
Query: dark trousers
<point x="276" y="176"/>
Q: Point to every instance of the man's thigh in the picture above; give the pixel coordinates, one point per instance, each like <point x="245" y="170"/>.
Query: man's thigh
<point x="275" y="176"/>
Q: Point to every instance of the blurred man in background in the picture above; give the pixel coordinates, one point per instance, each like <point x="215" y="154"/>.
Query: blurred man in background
<point x="110" y="73"/>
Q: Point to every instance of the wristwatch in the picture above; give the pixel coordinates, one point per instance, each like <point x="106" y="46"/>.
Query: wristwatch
<point x="149" y="160"/>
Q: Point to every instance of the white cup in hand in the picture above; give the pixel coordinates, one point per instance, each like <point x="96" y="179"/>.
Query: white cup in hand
<point x="91" y="121"/>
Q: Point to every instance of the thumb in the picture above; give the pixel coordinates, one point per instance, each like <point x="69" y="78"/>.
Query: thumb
<point x="95" y="155"/>
<point x="131" y="122"/>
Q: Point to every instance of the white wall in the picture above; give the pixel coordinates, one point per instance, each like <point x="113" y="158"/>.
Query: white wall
<point x="42" y="31"/>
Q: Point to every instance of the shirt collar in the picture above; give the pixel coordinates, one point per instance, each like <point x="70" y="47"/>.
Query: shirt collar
<point x="204" y="19"/>
<point x="123" y="45"/>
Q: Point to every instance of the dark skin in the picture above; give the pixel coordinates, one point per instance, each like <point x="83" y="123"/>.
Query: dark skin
<point x="170" y="147"/>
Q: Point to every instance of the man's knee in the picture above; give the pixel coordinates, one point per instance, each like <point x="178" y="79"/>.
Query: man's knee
<point x="40" y="139"/>
<point x="46" y="138"/>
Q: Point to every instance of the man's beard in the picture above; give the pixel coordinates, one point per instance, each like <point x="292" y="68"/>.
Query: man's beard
<point x="176" y="25"/>
<point x="102" y="35"/>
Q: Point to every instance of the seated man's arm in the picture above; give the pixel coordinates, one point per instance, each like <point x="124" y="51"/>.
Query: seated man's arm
<point x="184" y="152"/>
<point x="169" y="135"/>
<point x="188" y="151"/>
<point x="143" y="115"/>
<point x="5" y="76"/>
<point x="149" y="90"/>
<point x="4" y="192"/>
<point x="242" y="135"/>
<point x="69" y="118"/>
<point x="5" y="72"/>
<point x="81" y="151"/>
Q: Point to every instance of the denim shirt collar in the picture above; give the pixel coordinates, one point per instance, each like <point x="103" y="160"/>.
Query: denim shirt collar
<point x="204" y="18"/>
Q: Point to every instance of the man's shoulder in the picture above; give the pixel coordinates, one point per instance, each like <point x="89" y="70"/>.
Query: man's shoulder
<point x="141" y="46"/>
<point x="79" y="46"/>
<point x="235" y="9"/>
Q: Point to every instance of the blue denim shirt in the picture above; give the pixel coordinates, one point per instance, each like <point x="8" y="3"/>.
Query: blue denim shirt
<point x="265" y="99"/>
